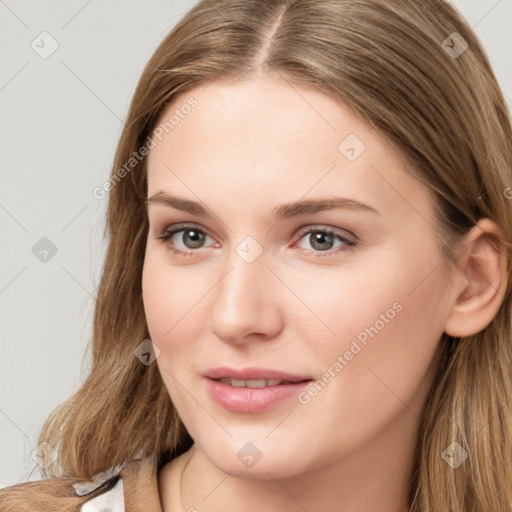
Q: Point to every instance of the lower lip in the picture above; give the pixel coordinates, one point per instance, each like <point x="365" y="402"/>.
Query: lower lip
<point x="252" y="399"/>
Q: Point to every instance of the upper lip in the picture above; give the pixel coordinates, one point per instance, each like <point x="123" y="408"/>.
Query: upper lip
<point x="253" y="373"/>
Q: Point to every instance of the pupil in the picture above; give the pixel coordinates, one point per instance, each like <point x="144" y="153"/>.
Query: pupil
<point x="321" y="238"/>
<point x="195" y="237"/>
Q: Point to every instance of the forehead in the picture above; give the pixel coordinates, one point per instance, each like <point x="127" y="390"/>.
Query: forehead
<point x="262" y="138"/>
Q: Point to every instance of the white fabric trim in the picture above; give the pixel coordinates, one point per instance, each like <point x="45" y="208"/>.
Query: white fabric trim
<point x="110" y="501"/>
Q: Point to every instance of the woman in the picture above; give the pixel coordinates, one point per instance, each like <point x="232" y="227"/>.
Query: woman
<point x="305" y="303"/>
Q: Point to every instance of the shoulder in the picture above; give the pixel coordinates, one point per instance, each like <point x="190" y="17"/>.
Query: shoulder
<point x="106" y="491"/>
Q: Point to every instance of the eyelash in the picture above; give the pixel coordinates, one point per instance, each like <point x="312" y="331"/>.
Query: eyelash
<point x="348" y="244"/>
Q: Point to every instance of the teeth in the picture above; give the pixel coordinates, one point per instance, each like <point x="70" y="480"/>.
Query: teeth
<point x="242" y="383"/>
<point x="253" y="383"/>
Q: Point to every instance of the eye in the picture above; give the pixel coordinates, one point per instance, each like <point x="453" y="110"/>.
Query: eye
<point x="191" y="236"/>
<point x="322" y="239"/>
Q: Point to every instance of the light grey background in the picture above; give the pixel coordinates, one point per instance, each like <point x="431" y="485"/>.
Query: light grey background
<point x="61" y="117"/>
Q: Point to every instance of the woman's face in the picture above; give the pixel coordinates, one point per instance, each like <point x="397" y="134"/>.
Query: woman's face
<point x="306" y="248"/>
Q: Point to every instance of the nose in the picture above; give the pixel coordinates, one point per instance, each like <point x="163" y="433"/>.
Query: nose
<point x="245" y="302"/>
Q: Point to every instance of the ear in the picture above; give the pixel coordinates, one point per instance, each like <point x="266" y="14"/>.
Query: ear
<point x="483" y="270"/>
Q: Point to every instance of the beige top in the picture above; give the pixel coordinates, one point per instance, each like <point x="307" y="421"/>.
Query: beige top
<point x="132" y="488"/>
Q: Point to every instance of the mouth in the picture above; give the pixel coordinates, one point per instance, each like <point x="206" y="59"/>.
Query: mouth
<point x="257" y="383"/>
<point x="259" y="377"/>
<point x="252" y="390"/>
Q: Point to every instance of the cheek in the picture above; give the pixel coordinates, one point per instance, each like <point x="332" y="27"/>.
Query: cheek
<point x="167" y="296"/>
<point x="388" y="326"/>
<point x="172" y="303"/>
<point x="175" y="304"/>
<point x="371" y="298"/>
<point x="155" y="293"/>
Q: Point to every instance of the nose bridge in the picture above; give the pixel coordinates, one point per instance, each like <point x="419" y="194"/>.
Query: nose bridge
<point x="244" y="300"/>
<point x="242" y="285"/>
<point x="246" y="264"/>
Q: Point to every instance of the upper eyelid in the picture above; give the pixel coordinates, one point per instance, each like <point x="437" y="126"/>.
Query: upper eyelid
<point x="321" y="227"/>
<point x="176" y="228"/>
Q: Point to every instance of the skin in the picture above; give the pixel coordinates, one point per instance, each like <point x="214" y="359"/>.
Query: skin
<point x="247" y="147"/>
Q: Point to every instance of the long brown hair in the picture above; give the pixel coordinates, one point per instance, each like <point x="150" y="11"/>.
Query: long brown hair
<point x="418" y="73"/>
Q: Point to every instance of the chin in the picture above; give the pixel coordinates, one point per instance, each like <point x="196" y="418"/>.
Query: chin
<point x="260" y="459"/>
<point x="262" y="470"/>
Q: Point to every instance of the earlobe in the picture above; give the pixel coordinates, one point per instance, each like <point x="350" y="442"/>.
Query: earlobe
<point x="484" y="272"/>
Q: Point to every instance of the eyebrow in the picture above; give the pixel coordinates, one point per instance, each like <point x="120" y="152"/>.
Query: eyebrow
<point x="283" y="211"/>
